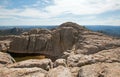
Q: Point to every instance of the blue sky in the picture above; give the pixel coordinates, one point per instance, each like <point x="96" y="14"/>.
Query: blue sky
<point x="55" y="12"/>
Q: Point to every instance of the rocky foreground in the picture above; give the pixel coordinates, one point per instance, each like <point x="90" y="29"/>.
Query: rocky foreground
<point x="71" y="51"/>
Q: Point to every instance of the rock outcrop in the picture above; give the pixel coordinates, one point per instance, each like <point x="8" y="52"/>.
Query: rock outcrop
<point x="22" y="72"/>
<point x="48" y="42"/>
<point x="100" y="70"/>
<point x="60" y="62"/>
<point x="4" y="45"/>
<point x="74" y="51"/>
<point x="5" y="59"/>
<point x="67" y="37"/>
<point x="106" y="56"/>
<point x="45" y="64"/>
<point x="59" y="71"/>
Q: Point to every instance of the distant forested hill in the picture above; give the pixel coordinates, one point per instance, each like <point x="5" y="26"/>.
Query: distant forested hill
<point x="109" y="30"/>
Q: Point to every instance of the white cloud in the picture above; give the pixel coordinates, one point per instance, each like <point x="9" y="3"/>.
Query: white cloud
<point x="75" y="7"/>
<point x="1" y="7"/>
<point x="112" y="22"/>
<point x="6" y="17"/>
<point x="4" y="12"/>
<point x="31" y="12"/>
<point x="41" y="3"/>
<point x="83" y="7"/>
<point x="57" y="21"/>
<point x="60" y="7"/>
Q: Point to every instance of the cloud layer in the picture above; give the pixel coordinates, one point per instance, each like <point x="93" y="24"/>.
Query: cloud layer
<point x="58" y="8"/>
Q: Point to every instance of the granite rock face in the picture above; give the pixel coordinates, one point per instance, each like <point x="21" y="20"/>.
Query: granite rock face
<point x="67" y="37"/>
<point x="77" y="52"/>
<point x="48" y="42"/>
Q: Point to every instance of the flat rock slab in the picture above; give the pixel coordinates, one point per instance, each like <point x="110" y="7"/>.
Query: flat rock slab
<point x="100" y="70"/>
<point x="106" y="56"/>
<point x="22" y="72"/>
<point x="43" y="63"/>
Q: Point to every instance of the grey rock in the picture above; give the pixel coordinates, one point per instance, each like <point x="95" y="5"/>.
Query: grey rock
<point x="107" y="56"/>
<point x="45" y="64"/>
<point x="5" y="59"/>
<point x="67" y="37"/>
<point x="77" y="52"/>
<point x="59" y="62"/>
<point x="22" y="72"/>
<point x="43" y="41"/>
<point x="75" y="71"/>
<point x="100" y="70"/>
<point x="59" y="71"/>
<point x="4" y="45"/>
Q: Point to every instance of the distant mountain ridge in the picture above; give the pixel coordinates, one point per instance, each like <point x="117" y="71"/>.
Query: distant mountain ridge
<point x="109" y="30"/>
<point x="13" y="31"/>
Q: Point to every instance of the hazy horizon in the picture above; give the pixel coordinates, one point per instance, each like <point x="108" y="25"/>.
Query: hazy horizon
<point x="51" y="25"/>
